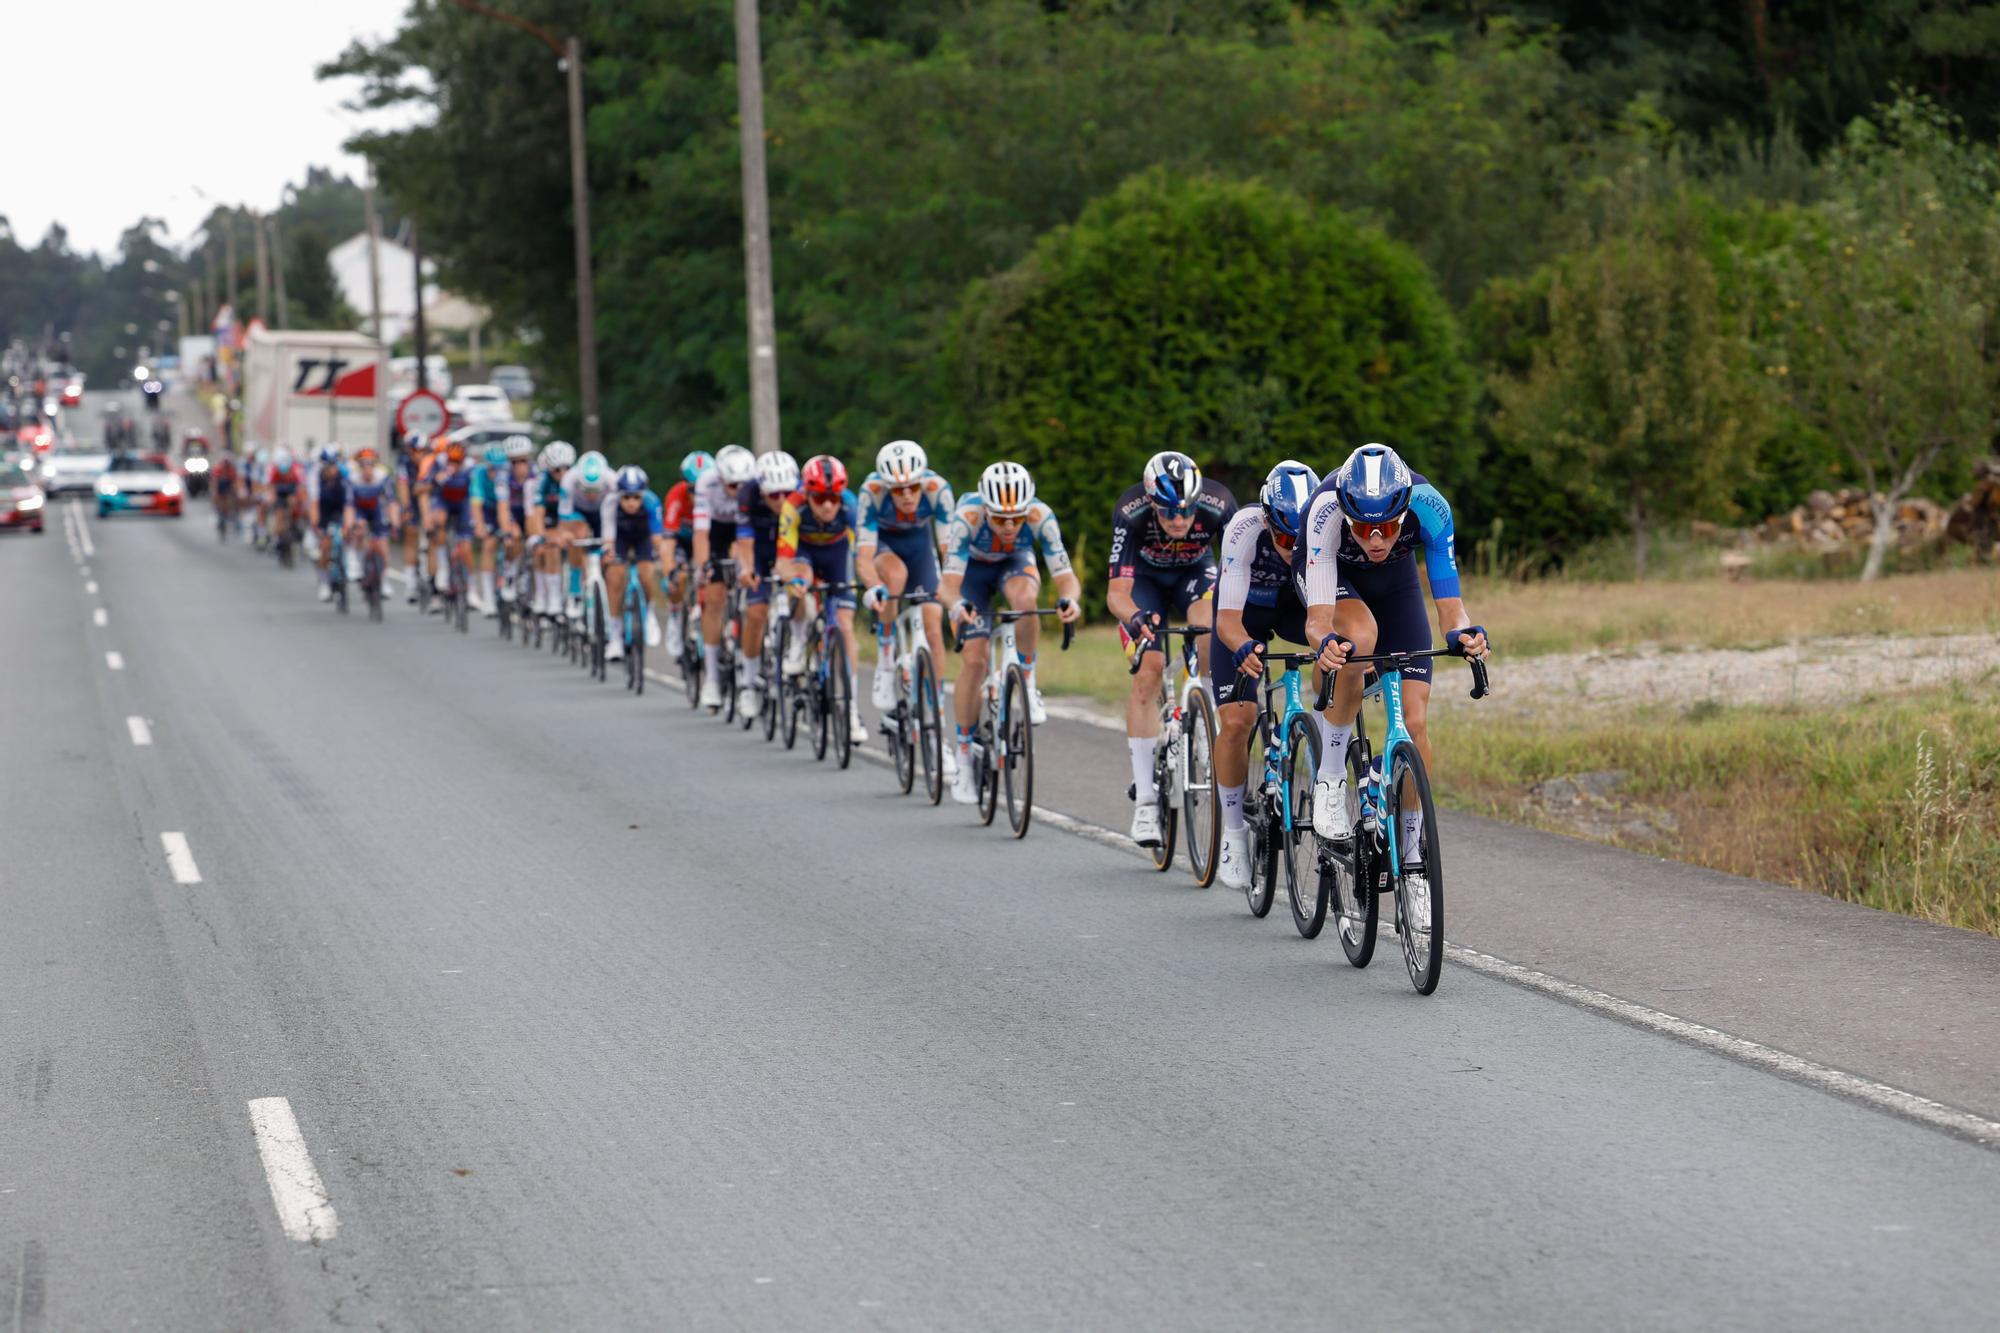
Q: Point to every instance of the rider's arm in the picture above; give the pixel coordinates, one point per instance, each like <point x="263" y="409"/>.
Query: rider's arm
<point x="1323" y="532"/>
<point x="940" y="492"/>
<point x="1433" y="516"/>
<point x="1232" y="587"/>
<point x="788" y="531"/>
<point x="957" y="552"/>
<point x="1118" y="596"/>
<point x="1048" y="536"/>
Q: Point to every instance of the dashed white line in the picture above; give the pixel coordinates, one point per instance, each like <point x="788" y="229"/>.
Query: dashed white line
<point x="83" y="530"/>
<point x="304" y="1210"/>
<point x="180" y="858"/>
<point x="115" y="661"/>
<point x="91" y="587"/>
<point x="142" y="734"/>
<point x="100" y="617"/>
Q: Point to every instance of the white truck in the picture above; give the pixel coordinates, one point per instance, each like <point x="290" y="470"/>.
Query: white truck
<point x="305" y="388"/>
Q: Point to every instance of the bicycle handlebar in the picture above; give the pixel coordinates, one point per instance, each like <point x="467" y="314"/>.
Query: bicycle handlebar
<point x="1009" y="617"/>
<point x="1481" y="685"/>
<point x="1189" y="632"/>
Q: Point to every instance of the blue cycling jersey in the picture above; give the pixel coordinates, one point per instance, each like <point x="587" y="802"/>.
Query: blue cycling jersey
<point x="1330" y="545"/>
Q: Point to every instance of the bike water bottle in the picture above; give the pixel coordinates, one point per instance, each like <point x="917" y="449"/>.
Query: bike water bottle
<point x="1371" y="802"/>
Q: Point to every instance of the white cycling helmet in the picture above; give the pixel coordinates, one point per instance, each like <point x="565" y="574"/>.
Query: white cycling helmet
<point x="560" y="453"/>
<point x="777" y="473"/>
<point x="281" y="457"/>
<point x="593" y="474"/>
<point x="1007" y="489"/>
<point x="902" y="463"/>
<point x="736" y="464"/>
<point x="518" y="446"/>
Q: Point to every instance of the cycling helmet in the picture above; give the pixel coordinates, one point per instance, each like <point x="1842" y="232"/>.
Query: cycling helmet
<point x="590" y="471"/>
<point x="1287" y="493"/>
<point x="366" y="454"/>
<point x="455" y="450"/>
<point x="495" y="456"/>
<point x="281" y="457"/>
<point x="1173" y="482"/>
<point x="631" y="481"/>
<point x="695" y="464"/>
<point x="329" y="455"/>
<point x="736" y="464"/>
<point x="1373" y="485"/>
<point x="902" y="463"/>
<point x="824" y="475"/>
<point x="1007" y="489"/>
<point x="518" y="446"/>
<point x="559" y="454"/>
<point x="777" y="473"/>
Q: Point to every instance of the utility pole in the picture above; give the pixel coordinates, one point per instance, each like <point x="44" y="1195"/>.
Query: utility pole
<point x="229" y="263"/>
<point x="375" y="303"/>
<point x="278" y="274"/>
<point x="263" y="267"/>
<point x="423" y="343"/>
<point x="764" y="435"/>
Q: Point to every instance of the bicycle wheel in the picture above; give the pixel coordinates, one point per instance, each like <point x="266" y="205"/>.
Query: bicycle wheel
<point x="989" y="773"/>
<point x="371" y="584"/>
<point x="1163" y="801"/>
<point x="1258" y="817"/>
<point x="727" y="674"/>
<point x="819" y="694"/>
<point x="691" y="662"/>
<point x="769" y="700"/>
<point x="903" y="740"/>
<point x="1298" y="849"/>
<point x="1351" y="868"/>
<point x="340" y="590"/>
<point x="930" y="725"/>
<point x="599" y="637"/>
<point x="840" y="700"/>
<point x="1017" y="754"/>
<point x="505" y="606"/>
<point x="1200" y="811"/>
<point x="461" y="591"/>
<point x="1419" y="887"/>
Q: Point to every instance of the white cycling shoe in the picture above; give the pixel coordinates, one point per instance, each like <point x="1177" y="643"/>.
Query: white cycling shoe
<point x="326" y="592"/>
<point x="857" y="730"/>
<point x="795" y="655"/>
<point x="653" y="635"/>
<point x="1146" y="823"/>
<point x="747" y="700"/>
<point x="614" y="651"/>
<point x="883" y="693"/>
<point x="573" y="609"/>
<point x="1234" y="867"/>
<point x="1038" y="712"/>
<point x="711" y="696"/>
<point x="1330" y="817"/>
<point x="674" y="637"/>
<point x="964" y="786"/>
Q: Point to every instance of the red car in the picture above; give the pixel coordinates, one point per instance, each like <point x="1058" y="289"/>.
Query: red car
<point x="21" y="501"/>
<point x="35" y="435"/>
<point x="72" y="394"/>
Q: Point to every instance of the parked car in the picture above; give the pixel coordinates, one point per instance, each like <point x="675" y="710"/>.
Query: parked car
<point x="74" y="467"/>
<point x="141" y="483"/>
<point x="470" y="404"/>
<point x="514" y="381"/>
<point x="20" y="499"/>
<point x="477" y="436"/>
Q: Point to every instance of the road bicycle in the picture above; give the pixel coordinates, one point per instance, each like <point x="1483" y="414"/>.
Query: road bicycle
<point x="694" y="650"/>
<point x="371" y="580"/>
<point x="514" y="576"/>
<point x="1372" y="863"/>
<point x="336" y="567"/>
<point x="768" y="686"/>
<point x="632" y="628"/>
<point x="1184" y="759"/>
<point x="914" y="728"/>
<point x="825" y="689"/>
<point x="458" y="576"/>
<point x="588" y="642"/>
<point x="1003" y="740"/>
<point x="1278" y="813"/>
<point x="729" y="670"/>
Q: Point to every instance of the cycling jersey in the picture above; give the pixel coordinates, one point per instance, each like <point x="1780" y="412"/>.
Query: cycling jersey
<point x="451" y="486"/>
<point x="326" y="489"/>
<point x="714" y="507"/>
<point x="582" y="503"/>
<point x="677" y="510"/>
<point x="514" y="493"/>
<point x="971" y="539"/>
<point x="1254" y="572"/>
<point x="284" y="482"/>
<point x="630" y="536"/>
<point x="547" y="490"/>
<point x="799" y="525"/>
<point x="1138" y="538"/>
<point x="368" y="494"/>
<point x="1332" y="551"/>
<point x="756" y="520"/>
<point x="877" y="515"/>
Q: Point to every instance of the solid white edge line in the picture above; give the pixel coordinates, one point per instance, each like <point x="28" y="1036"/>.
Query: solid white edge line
<point x="114" y="661"/>
<point x="1880" y="1096"/>
<point x="180" y="858"/>
<point x="100" y="617"/>
<point x="142" y="734"/>
<point x="297" y="1191"/>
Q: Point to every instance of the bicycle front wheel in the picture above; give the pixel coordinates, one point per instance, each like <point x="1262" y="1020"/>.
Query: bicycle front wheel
<point x="819" y="690"/>
<point x="1419" y="881"/>
<point x="930" y="725"/>
<point x="1017" y="752"/>
<point x="1297" y="848"/>
<point x="1351" y="868"/>
<point x="1200" y="811"/>
<point x="903" y="742"/>
<point x="840" y="699"/>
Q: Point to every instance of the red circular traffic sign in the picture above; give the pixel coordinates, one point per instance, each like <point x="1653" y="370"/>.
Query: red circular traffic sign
<point x="422" y="413"/>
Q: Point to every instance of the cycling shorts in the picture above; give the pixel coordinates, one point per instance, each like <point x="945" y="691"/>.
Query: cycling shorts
<point x="631" y="551"/>
<point x="829" y="565"/>
<point x="1168" y="593"/>
<point x="455" y="518"/>
<point x="592" y="519"/>
<point x="1395" y="597"/>
<point x="375" y="519"/>
<point x="490" y="511"/>
<point x="919" y="555"/>
<point x="983" y="581"/>
<point x="330" y="512"/>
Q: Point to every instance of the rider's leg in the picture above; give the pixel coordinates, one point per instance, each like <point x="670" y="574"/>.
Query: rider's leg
<point x="1022" y="591"/>
<point x="1353" y="621"/>
<point x="1234" y="723"/>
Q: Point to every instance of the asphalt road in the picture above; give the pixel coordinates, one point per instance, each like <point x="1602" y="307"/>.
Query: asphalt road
<point x="593" y="1013"/>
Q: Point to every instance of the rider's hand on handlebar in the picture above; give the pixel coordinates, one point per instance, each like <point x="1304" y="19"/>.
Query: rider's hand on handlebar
<point x="1333" y="651"/>
<point x="746" y="578"/>
<point x="962" y="613"/>
<point x="1470" y="642"/>
<point x="1067" y="611"/>
<point x="878" y="597"/>
<point x="1250" y="659"/>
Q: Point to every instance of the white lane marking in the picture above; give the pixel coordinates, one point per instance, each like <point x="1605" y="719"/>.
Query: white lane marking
<point x="296" y="1189"/>
<point x="69" y="532"/>
<point x="1881" y="1096"/>
<point x="83" y="529"/>
<point x="180" y="858"/>
<point x="115" y="661"/>
<point x="100" y="617"/>
<point x="142" y="734"/>
<point x="91" y="587"/>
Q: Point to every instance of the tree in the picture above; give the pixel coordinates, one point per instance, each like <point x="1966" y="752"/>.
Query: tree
<point x="1892" y="309"/>
<point x="1224" y="318"/>
<point x="1638" y="402"/>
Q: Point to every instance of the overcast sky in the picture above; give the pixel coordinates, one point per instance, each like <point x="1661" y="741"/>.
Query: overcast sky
<point x="144" y="109"/>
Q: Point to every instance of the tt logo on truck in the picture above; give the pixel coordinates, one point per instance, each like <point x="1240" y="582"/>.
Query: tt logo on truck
<point x="307" y="365"/>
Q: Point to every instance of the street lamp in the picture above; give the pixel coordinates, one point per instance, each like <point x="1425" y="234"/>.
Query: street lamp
<point x="569" y="55"/>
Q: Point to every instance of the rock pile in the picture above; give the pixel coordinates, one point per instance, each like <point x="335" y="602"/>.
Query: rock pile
<point x="1975" y="519"/>
<point x="1839" y="520"/>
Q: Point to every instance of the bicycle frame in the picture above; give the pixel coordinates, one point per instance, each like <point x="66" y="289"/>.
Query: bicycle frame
<point x="1272" y="727"/>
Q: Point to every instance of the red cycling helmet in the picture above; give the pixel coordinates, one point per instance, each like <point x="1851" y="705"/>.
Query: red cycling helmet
<point x="823" y="476"/>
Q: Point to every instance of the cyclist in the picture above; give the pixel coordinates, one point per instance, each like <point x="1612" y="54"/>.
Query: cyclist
<point x="715" y="493"/>
<point x="815" y="543"/>
<point x="759" y="504"/>
<point x="412" y="467"/>
<point x="281" y="490"/>
<point x="515" y="479"/>
<point x="1363" y="532"/>
<point x="1162" y="560"/>
<point x="903" y="512"/>
<point x="487" y="504"/>
<point x="634" y="536"/>
<point x="224" y="479"/>
<point x="677" y="516"/>
<point x="371" y="499"/>
<point x="585" y="488"/>
<point x="545" y="523"/>
<point x="449" y="511"/>
<point x="326" y="501"/>
<point x="984" y="557"/>
<point x="1260" y="596"/>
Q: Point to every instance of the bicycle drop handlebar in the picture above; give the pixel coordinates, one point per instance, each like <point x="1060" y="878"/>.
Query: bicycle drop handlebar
<point x="1480" y="682"/>
<point x="1009" y="617"/>
<point x="1188" y="632"/>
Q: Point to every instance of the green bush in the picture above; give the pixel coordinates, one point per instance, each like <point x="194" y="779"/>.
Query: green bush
<point x="1224" y="318"/>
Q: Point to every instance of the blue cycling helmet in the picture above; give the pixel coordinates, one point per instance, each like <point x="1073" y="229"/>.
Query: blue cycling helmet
<point x="695" y="464"/>
<point x="1285" y="497"/>
<point x="329" y="455"/>
<point x="1173" y="482"/>
<point x="1373" y="485"/>
<point x="495" y="456"/>
<point x="631" y="481"/>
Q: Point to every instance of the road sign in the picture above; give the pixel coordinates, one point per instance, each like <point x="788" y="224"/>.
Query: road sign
<point x="422" y="413"/>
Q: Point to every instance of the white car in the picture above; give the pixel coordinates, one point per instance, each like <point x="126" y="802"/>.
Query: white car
<point x="474" y="403"/>
<point x="139" y="484"/>
<point x="74" y="468"/>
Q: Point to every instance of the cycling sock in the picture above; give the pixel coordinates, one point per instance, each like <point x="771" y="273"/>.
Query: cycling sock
<point x="1413" y="832"/>
<point x="711" y="665"/>
<point x="575" y="581"/>
<point x="1232" y="805"/>
<point x="753" y="668"/>
<point x="1333" y="750"/>
<point x="486" y="584"/>
<point x="1143" y="748"/>
<point x="965" y="740"/>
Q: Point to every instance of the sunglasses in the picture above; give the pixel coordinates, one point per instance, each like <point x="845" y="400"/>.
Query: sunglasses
<point x="914" y="488"/>
<point x="1367" y="530"/>
<point x="1182" y="511"/>
<point x="1006" y="520"/>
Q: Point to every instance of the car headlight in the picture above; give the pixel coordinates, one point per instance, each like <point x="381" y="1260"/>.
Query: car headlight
<point x="28" y="504"/>
<point x="197" y="465"/>
<point x="173" y="486"/>
<point x="106" y="486"/>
